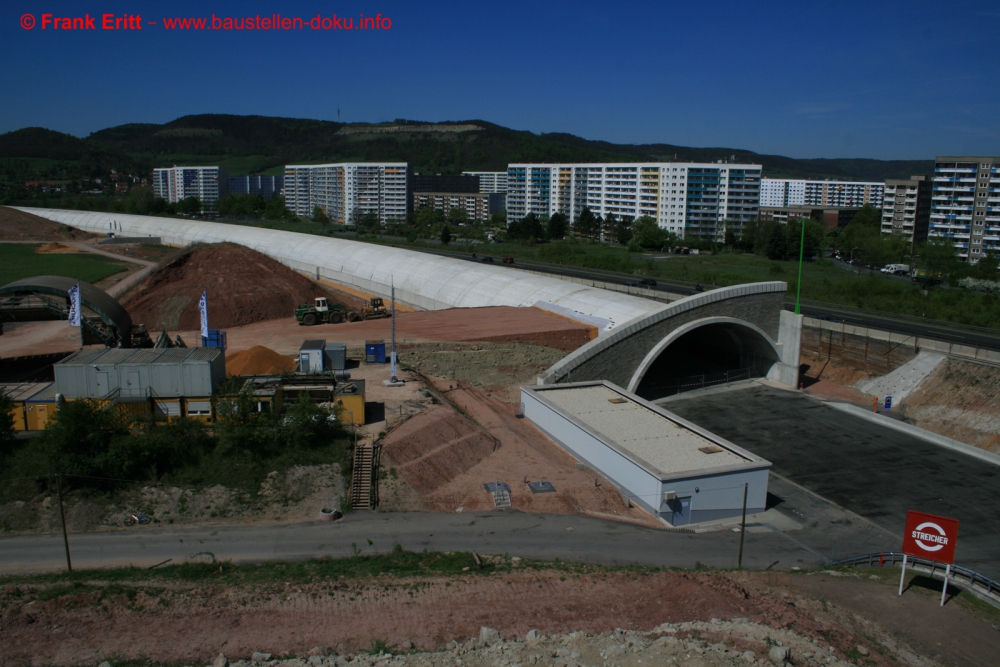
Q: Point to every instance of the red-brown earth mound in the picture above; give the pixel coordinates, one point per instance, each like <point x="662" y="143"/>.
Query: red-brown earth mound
<point x="244" y="286"/>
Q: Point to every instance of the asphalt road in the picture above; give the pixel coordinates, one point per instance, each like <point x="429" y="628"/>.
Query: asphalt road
<point x="826" y="533"/>
<point x="876" y="472"/>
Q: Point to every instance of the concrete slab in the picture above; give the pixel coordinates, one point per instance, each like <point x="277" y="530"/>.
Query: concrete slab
<point x="901" y="382"/>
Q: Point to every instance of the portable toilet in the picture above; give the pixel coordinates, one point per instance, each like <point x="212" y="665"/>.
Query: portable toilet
<point x="311" y="356"/>
<point x="375" y="351"/>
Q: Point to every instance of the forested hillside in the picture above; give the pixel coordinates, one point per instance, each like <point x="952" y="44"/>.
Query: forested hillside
<point x="257" y="144"/>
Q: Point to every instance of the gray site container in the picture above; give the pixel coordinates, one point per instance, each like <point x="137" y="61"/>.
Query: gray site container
<point x="336" y="356"/>
<point x="103" y="379"/>
<point x="203" y="370"/>
<point x="71" y="373"/>
<point x="165" y="375"/>
<point x="142" y="373"/>
<point x="135" y="374"/>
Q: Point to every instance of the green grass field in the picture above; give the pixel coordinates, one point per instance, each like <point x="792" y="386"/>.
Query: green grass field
<point x="19" y="260"/>
<point x="822" y="281"/>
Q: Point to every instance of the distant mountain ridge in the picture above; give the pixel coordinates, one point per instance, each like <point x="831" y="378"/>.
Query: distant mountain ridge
<point x="252" y="144"/>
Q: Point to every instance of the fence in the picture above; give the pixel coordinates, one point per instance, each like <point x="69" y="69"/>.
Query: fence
<point x="983" y="586"/>
<point x="673" y="386"/>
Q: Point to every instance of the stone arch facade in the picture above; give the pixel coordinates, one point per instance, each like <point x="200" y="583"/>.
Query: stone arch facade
<point x="618" y="355"/>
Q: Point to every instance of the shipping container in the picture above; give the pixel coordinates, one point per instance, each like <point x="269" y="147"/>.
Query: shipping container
<point x="311" y="355"/>
<point x="336" y="356"/>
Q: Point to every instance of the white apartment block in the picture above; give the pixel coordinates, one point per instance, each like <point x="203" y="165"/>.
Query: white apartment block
<point x="208" y="184"/>
<point x="686" y="198"/>
<point x="784" y="192"/>
<point x="349" y="191"/>
<point x="965" y="204"/>
<point x="490" y="182"/>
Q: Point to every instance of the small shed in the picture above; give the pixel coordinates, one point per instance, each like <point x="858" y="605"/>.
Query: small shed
<point x="311" y="356"/>
<point x="350" y="395"/>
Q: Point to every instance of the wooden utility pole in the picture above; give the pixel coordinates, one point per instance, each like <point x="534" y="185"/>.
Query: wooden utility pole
<point x="62" y="517"/>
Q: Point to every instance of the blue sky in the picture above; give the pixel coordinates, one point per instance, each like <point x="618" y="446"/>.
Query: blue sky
<point x="890" y="80"/>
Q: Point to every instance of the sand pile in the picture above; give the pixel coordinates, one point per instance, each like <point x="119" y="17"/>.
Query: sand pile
<point x="54" y="248"/>
<point x="244" y="286"/>
<point x="258" y="360"/>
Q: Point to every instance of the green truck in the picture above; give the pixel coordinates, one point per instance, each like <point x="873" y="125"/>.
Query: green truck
<point x="321" y="312"/>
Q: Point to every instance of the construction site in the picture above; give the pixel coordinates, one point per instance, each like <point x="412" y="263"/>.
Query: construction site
<point x="443" y="428"/>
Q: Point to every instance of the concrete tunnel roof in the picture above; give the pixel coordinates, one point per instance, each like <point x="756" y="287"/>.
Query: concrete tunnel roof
<point x="422" y="280"/>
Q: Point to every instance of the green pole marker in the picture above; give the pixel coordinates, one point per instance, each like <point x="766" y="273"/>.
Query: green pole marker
<point x="802" y="252"/>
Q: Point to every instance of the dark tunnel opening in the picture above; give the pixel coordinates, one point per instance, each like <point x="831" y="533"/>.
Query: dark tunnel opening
<point x="709" y="355"/>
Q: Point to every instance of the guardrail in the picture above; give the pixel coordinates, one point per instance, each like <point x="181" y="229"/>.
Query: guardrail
<point x="985" y="588"/>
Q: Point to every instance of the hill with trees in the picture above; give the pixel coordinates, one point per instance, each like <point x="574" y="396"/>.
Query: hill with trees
<point x="258" y="144"/>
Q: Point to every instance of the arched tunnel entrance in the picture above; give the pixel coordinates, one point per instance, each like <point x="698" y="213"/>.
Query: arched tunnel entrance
<point x="703" y="355"/>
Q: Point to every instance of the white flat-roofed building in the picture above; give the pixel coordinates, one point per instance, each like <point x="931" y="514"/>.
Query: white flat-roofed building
<point x="687" y="198"/>
<point x="490" y="182"/>
<point x="208" y="184"/>
<point x="675" y="469"/>
<point x="784" y="192"/>
<point x="965" y="205"/>
<point x="349" y="191"/>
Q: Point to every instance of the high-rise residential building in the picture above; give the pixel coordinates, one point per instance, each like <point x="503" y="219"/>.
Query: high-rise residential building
<point x="349" y="191"/>
<point x="478" y="205"/>
<point x="265" y="186"/>
<point x="490" y="181"/>
<point x="965" y="204"/>
<point x="906" y="208"/>
<point x="782" y="192"/>
<point x="687" y="198"/>
<point x="208" y="184"/>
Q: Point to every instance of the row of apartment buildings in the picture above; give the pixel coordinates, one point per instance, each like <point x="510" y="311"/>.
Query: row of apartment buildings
<point x="210" y="184"/>
<point x="685" y="198"/>
<point x="960" y="202"/>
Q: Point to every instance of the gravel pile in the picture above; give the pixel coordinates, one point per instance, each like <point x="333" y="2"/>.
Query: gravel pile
<point x="737" y="643"/>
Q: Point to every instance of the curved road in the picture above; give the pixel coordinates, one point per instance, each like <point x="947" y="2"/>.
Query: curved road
<point x="773" y="539"/>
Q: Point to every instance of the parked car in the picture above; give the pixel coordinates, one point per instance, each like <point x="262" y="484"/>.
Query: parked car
<point x="647" y="282"/>
<point x="508" y="260"/>
<point x="631" y="283"/>
<point x="487" y="259"/>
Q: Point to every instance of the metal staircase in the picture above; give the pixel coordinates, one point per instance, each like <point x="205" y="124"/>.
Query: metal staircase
<point x="364" y="479"/>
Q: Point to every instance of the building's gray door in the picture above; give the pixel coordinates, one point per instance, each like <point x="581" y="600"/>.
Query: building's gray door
<point x="102" y="384"/>
<point x="133" y="384"/>
<point x="682" y="511"/>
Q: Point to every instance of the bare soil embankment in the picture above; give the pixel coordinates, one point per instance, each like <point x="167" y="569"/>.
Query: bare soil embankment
<point x="586" y="617"/>
<point x="20" y="226"/>
<point x="960" y="400"/>
<point x="243" y="286"/>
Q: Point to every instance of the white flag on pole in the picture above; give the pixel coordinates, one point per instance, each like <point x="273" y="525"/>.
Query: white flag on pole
<point x="74" y="305"/>
<point x="203" y="309"/>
